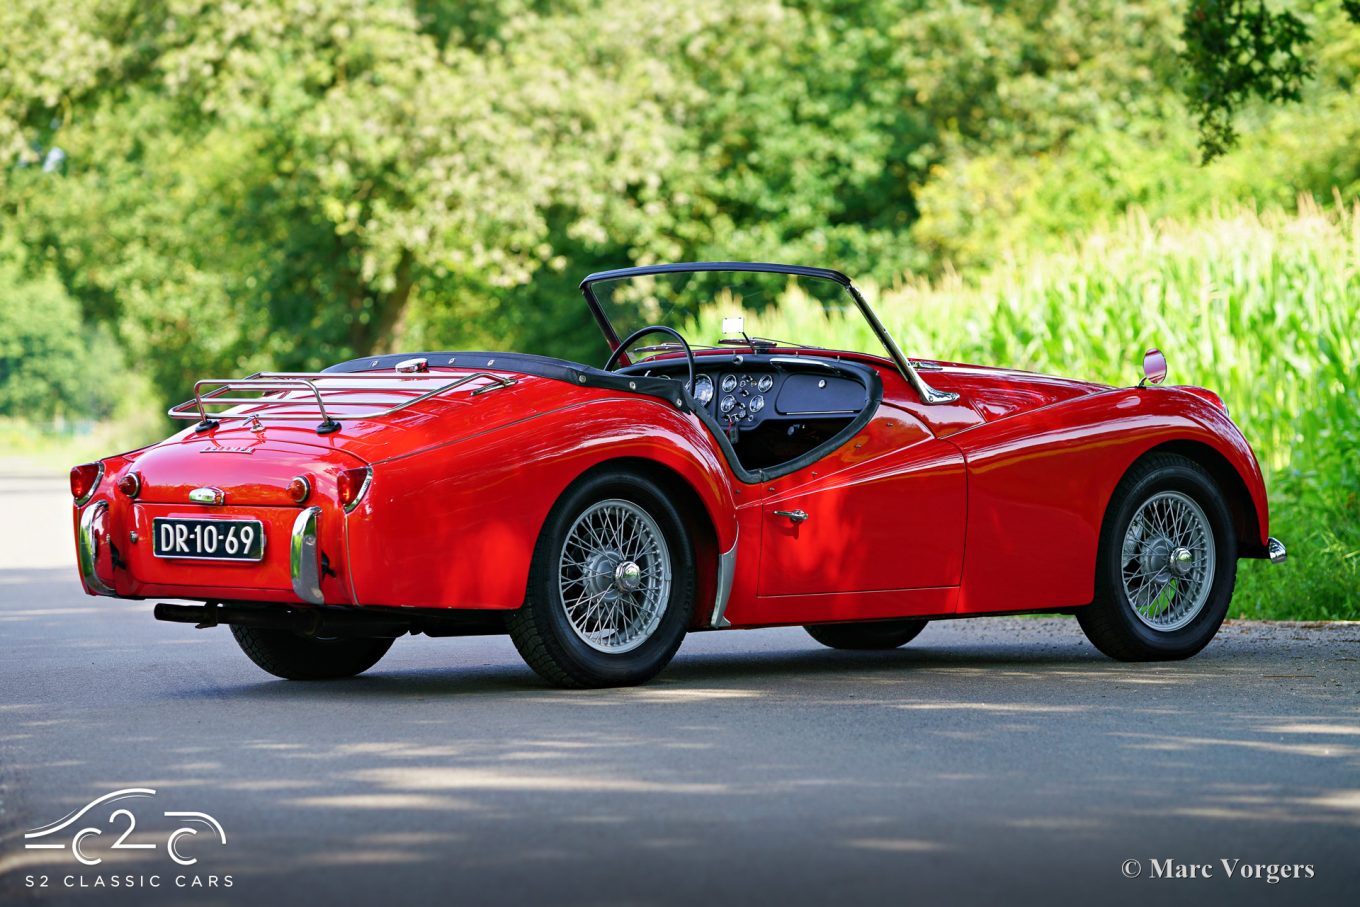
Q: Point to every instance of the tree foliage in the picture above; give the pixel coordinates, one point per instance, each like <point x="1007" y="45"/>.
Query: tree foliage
<point x="1239" y="49"/>
<point x="285" y="183"/>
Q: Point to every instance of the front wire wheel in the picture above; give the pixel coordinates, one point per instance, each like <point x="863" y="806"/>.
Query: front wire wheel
<point x="1168" y="559"/>
<point x="1166" y="565"/>
<point x="611" y="585"/>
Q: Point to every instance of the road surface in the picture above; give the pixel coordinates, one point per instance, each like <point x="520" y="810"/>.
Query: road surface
<point x="989" y="760"/>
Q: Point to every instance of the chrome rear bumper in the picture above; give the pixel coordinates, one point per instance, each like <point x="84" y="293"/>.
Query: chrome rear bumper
<point x="1275" y="551"/>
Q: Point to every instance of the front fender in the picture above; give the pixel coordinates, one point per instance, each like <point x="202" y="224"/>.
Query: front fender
<point x="1039" y="485"/>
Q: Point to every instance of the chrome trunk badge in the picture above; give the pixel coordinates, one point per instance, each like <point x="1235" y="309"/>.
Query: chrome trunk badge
<point x="207" y="496"/>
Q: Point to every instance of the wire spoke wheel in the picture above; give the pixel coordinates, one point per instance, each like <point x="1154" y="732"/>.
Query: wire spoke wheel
<point x="614" y="576"/>
<point x="1168" y="560"/>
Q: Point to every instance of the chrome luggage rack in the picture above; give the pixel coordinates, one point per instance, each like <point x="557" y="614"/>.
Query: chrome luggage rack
<point x="304" y="396"/>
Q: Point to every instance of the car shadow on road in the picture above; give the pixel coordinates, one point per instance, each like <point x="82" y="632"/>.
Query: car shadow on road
<point x="811" y="672"/>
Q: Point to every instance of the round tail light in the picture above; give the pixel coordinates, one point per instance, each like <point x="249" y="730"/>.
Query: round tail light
<point x="299" y="489"/>
<point x="130" y="484"/>
<point x="84" y="480"/>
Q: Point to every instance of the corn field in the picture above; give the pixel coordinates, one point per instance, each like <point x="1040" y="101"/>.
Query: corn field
<point x="1261" y="307"/>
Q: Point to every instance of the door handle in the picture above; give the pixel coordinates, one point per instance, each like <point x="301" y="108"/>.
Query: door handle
<point x="796" y="516"/>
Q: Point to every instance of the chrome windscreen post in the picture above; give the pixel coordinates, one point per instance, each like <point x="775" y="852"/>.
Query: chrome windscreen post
<point x="928" y="394"/>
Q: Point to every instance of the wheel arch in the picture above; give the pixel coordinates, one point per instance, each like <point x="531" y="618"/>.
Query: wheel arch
<point x="1241" y="504"/>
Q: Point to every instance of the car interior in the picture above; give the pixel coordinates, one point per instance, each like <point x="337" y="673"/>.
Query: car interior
<point x="774" y="410"/>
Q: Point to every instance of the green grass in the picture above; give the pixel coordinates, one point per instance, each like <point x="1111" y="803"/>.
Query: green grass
<point x="1263" y="308"/>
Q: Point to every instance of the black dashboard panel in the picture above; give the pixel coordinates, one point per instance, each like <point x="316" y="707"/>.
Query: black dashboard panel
<point x="749" y="391"/>
<point x="814" y="395"/>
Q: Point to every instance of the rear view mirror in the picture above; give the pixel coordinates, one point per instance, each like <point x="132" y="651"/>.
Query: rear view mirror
<point x="1154" y="367"/>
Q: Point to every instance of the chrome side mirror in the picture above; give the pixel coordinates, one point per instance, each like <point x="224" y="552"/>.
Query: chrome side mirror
<point x="1154" y="367"/>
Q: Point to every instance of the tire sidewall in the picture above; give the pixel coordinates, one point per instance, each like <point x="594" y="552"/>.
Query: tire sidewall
<point x="1200" y="630"/>
<point x="648" y="658"/>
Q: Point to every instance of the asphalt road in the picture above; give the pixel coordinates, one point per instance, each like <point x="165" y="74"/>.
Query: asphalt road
<point x="988" y="760"/>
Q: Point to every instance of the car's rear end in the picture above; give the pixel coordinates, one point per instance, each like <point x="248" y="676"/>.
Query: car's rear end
<point x="221" y="518"/>
<point x="250" y="504"/>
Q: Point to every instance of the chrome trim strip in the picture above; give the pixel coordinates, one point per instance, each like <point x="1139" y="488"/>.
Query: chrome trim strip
<point x="1275" y="551"/>
<point x="87" y="549"/>
<point x="98" y="477"/>
<point x="304" y="558"/>
<point x="798" y="362"/>
<point x="727" y="571"/>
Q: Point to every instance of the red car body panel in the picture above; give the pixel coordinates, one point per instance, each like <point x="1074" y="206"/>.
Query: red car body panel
<point x="987" y="504"/>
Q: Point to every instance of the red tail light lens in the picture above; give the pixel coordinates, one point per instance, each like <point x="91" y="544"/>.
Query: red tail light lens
<point x="130" y="484"/>
<point x="351" y="484"/>
<point x="84" y="480"/>
<point x="299" y="489"/>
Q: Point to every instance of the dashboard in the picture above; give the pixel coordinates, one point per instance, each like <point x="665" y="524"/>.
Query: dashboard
<point x="751" y="393"/>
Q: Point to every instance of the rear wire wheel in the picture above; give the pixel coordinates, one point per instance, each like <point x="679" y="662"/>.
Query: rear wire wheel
<point x="611" y="586"/>
<point x="294" y="656"/>
<point x="1166" y="566"/>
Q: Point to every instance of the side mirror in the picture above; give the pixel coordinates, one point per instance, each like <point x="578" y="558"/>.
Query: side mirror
<point x="1154" y="367"/>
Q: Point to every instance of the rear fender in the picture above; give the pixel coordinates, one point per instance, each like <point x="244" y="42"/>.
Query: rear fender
<point x="456" y="525"/>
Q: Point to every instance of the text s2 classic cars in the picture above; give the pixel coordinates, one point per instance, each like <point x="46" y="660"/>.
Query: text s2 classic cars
<point x="597" y="515"/>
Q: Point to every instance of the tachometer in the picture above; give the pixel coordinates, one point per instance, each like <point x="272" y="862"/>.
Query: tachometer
<point x="703" y="389"/>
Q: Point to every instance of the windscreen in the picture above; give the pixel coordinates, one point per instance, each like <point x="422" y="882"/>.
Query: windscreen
<point x="707" y="307"/>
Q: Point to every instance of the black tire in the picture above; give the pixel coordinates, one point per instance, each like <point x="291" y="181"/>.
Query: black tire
<point x="541" y="629"/>
<point x="867" y="635"/>
<point x="292" y="656"/>
<point x="1110" y="622"/>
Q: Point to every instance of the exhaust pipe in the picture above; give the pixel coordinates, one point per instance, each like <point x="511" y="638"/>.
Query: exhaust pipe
<point x="319" y="621"/>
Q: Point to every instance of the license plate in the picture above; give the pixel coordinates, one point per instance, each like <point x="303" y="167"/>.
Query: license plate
<point x="208" y="540"/>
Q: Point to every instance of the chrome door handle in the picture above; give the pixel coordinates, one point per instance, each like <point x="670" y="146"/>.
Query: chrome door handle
<point x="797" y="516"/>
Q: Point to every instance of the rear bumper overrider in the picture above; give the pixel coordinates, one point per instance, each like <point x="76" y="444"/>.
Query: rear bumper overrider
<point x="304" y="557"/>
<point x="88" y="536"/>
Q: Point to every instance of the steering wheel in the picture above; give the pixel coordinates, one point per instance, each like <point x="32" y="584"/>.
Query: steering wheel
<point x="643" y="332"/>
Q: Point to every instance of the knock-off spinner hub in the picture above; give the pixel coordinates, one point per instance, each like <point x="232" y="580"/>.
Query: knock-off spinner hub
<point x="628" y="576"/>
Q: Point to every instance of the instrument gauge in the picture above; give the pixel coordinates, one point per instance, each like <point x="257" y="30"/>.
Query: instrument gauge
<point x="729" y="383"/>
<point x="756" y="404"/>
<point x="703" y="389"/>
<point x="727" y="403"/>
<point x="765" y="383"/>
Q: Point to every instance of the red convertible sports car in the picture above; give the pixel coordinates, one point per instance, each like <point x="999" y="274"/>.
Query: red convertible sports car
<point x="597" y="515"/>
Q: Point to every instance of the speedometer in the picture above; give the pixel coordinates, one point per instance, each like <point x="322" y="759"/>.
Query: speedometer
<point x="703" y="389"/>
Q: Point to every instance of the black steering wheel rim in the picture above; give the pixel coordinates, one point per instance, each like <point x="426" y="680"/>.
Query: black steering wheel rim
<point x="643" y="332"/>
